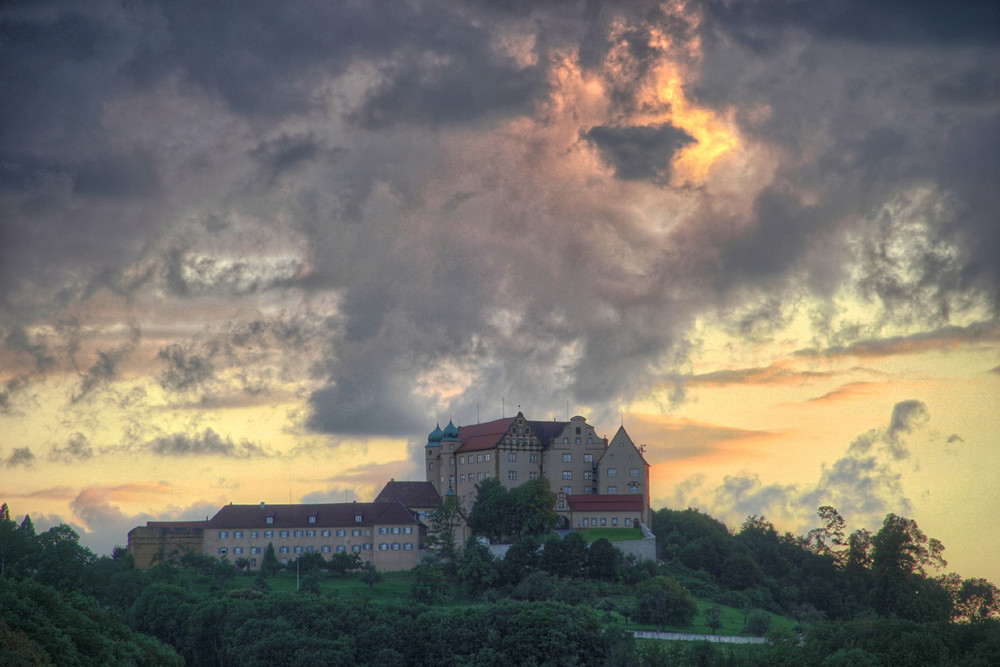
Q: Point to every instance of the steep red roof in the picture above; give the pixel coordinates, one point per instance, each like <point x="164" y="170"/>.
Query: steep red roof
<point x="605" y="503"/>
<point x="327" y="515"/>
<point x="411" y="494"/>
<point x="483" y="436"/>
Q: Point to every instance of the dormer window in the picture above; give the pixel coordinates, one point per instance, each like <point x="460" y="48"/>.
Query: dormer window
<point x="269" y="519"/>
<point x="357" y="518"/>
<point x="312" y="518"/>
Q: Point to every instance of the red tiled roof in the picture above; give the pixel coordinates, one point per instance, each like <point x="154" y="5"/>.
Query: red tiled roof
<point x="547" y="430"/>
<point x="327" y="515"/>
<point x="483" y="436"/>
<point x="411" y="494"/>
<point x="605" y="503"/>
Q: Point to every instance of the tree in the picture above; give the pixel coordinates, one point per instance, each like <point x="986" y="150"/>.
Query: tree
<point x="269" y="566"/>
<point x="824" y="540"/>
<point x="522" y="559"/>
<point x="492" y="512"/>
<point x="533" y="508"/>
<point x="429" y="585"/>
<point x="342" y="562"/>
<point x="900" y="555"/>
<point x="604" y="560"/>
<point x="371" y="576"/>
<point x="713" y="618"/>
<point x="475" y="568"/>
<point x="663" y="602"/>
<point x="445" y="520"/>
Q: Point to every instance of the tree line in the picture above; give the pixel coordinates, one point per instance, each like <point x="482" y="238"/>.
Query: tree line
<point x="858" y="598"/>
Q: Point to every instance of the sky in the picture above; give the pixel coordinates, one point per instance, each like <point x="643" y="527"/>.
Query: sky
<point x="257" y="252"/>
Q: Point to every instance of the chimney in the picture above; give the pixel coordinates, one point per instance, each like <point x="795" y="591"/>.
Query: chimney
<point x="262" y="504"/>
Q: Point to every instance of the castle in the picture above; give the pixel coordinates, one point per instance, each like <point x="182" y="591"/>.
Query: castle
<point x="598" y="483"/>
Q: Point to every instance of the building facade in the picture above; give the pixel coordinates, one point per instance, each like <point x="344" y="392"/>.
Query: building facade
<point x="385" y="535"/>
<point x="574" y="459"/>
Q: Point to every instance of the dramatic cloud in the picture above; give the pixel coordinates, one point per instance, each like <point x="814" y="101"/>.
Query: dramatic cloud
<point x="21" y="456"/>
<point x="78" y="448"/>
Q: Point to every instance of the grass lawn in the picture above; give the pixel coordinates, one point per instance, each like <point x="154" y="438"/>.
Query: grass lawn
<point x="611" y="534"/>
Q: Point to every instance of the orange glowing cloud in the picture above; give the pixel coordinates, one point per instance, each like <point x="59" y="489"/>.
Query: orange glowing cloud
<point x="713" y="133"/>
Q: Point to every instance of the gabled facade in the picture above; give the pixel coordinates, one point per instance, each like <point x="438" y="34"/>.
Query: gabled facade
<point x="574" y="459"/>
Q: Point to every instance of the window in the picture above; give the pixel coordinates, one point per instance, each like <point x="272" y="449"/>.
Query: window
<point x="512" y="475"/>
<point x="479" y="476"/>
<point x="590" y="441"/>
<point x="588" y="474"/>
<point x="486" y="475"/>
<point x="408" y="546"/>
<point x="451" y="461"/>
<point x="356" y="548"/>
<point x="312" y="518"/>
<point x="357" y="518"/>
<point x="461" y="460"/>
<point x="268" y="533"/>
<point x="612" y="472"/>
<point x="341" y="532"/>
<point x="586" y="522"/>
<point x="486" y="457"/>
<point x="588" y="458"/>
<point x="533" y="458"/>
<point x="383" y="547"/>
<point x="633" y="489"/>
<point x="298" y="533"/>
<point x="325" y="548"/>
<point x="368" y="532"/>
<point x="309" y="549"/>
<point x="310" y="533"/>
<point x="395" y="546"/>
<point x="223" y="550"/>
<point x="253" y="562"/>
<point x="237" y="534"/>
<point x="282" y="550"/>
<point x="567" y="474"/>
<point x="578" y="441"/>
<point x="578" y="430"/>
<point x="356" y="532"/>
<point x="269" y="519"/>
<point x="341" y="548"/>
<point x="325" y="533"/>
<point x="568" y="490"/>
<point x="298" y="550"/>
<point x="479" y="458"/>
<point x="567" y="458"/>
<point x="223" y="534"/>
<point x="451" y="480"/>
<point x="512" y="457"/>
<point x="565" y="441"/>
<point x="395" y="530"/>
<point x="383" y="530"/>
<point x="612" y="489"/>
<point x="282" y="533"/>
<point x="255" y="550"/>
<point x="633" y="472"/>
<point x="430" y="466"/>
<point x="628" y="522"/>
<point x="614" y="521"/>
<point x="532" y="475"/>
<point x="408" y="530"/>
<point x="284" y="561"/>
<point x="604" y="521"/>
<point x="254" y="533"/>
<point x="562" y="504"/>
<point x="237" y="550"/>
<point x="367" y="546"/>
<point x="461" y="478"/>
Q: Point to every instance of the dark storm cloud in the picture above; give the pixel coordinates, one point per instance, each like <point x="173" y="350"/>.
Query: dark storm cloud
<point x="206" y="443"/>
<point x="390" y="169"/>
<point x="639" y="152"/>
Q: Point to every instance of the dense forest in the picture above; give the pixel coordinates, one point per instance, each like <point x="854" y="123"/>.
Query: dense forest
<point x="827" y="598"/>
